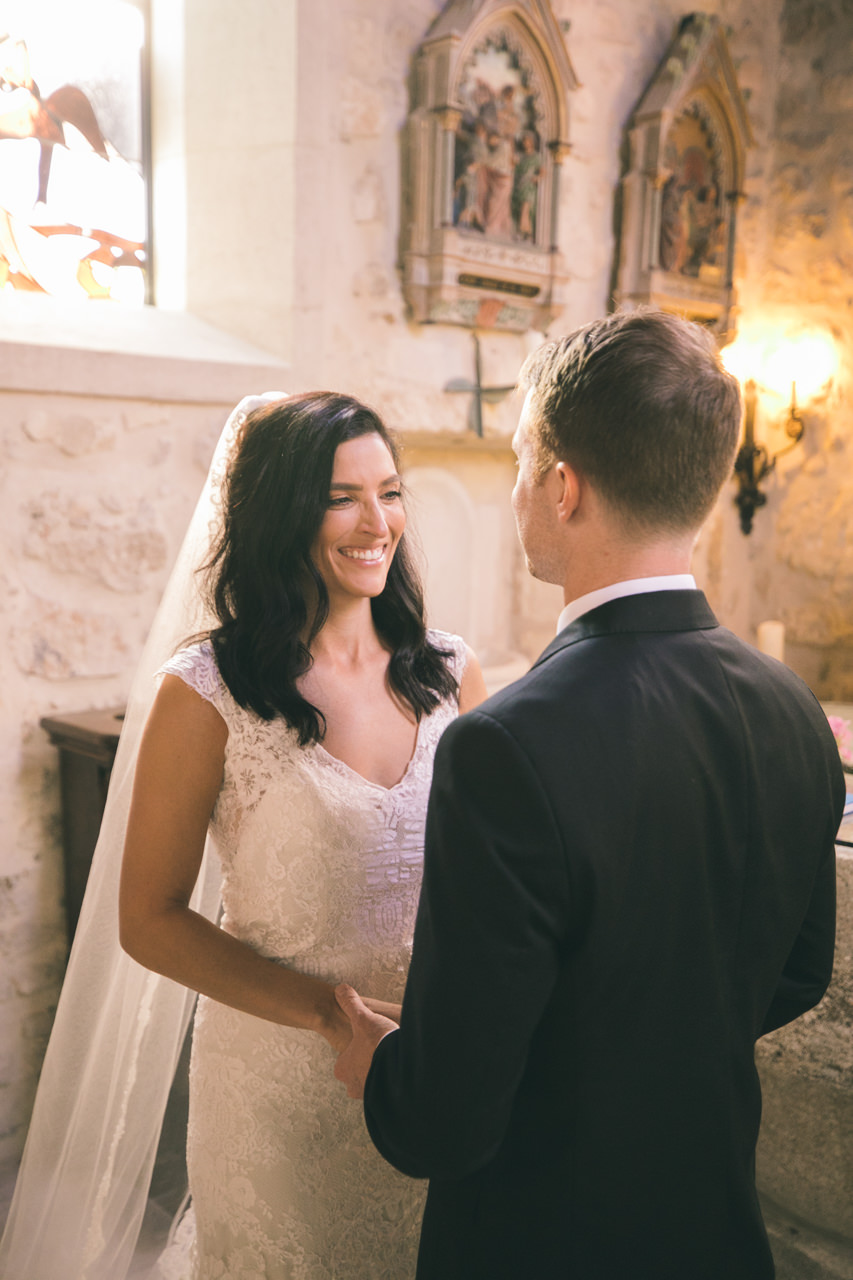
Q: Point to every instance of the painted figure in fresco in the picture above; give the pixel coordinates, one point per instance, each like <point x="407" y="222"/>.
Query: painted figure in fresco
<point x="471" y="185"/>
<point x="498" y="160"/>
<point x="500" y="167"/>
<point x="528" y="174"/>
<point x="690" y="213"/>
<point x="673" y="226"/>
<point x="508" y="118"/>
<point x="703" y="222"/>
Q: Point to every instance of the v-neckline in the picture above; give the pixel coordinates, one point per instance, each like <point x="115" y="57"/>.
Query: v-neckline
<point x="368" y="782"/>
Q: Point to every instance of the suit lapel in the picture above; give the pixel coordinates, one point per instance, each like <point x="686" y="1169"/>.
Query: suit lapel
<point x="650" y="611"/>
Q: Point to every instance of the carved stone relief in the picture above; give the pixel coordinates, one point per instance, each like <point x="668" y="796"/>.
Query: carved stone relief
<point x="688" y="137"/>
<point x="486" y="139"/>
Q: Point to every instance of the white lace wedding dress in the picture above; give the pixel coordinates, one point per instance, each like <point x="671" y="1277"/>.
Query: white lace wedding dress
<point x="321" y="871"/>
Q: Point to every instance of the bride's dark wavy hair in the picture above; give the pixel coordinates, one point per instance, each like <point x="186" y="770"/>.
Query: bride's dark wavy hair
<point x="275" y="495"/>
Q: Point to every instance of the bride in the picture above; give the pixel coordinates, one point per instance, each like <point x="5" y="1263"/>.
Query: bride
<point x="294" y="738"/>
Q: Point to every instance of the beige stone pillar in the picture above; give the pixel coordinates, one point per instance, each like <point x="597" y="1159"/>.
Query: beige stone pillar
<point x="449" y="119"/>
<point x="224" y="91"/>
<point x="559" y="151"/>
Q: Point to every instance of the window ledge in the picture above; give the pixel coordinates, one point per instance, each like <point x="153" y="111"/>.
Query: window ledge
<point x="99" y="349"/>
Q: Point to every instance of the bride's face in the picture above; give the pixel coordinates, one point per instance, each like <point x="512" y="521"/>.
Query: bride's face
<point x="364" y="520"/>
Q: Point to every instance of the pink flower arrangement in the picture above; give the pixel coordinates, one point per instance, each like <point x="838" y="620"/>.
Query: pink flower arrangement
<point x="844" y="740"/>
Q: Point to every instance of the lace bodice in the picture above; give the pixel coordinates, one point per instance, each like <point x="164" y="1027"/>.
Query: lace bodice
<point x="321" y="871"/>
<point x="320" y="867"/>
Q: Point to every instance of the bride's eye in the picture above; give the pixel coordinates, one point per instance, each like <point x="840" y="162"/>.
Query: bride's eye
<point x="391" y="495"/>
<point x="339" y="500"/>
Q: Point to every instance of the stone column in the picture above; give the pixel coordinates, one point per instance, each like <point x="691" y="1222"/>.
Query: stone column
<point x="733" y="199"/>
<point x="559" y="152"/>
<point x="449" y="119"/>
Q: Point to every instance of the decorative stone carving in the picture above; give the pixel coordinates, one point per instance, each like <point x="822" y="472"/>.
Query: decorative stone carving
<point x="485" y="142"/>
<point x="688" y="138"/>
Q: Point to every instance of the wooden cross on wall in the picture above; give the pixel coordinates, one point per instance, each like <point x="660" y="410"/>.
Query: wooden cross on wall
<point x="479" y="392"/>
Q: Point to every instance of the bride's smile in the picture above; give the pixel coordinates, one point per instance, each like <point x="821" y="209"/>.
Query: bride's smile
<point x="368" y="557"/>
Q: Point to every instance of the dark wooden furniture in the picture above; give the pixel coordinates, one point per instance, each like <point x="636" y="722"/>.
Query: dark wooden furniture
<point x="86" y="741"/>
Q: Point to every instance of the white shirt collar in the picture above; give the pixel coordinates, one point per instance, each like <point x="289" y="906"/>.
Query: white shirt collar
<point x="632" y="587"/>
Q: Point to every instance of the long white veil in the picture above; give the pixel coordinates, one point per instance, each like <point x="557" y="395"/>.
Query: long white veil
<point x="84" y="1179"/>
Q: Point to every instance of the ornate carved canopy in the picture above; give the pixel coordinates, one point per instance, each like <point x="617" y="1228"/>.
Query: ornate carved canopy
<point x="486" y="137"/>
<point x="688" y="138"/>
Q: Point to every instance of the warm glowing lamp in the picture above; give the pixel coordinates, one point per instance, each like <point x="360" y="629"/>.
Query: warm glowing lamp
<point x="800" y="366"/>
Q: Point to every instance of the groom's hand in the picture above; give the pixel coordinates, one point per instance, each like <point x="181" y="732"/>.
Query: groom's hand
<point x="367" y="1030"/>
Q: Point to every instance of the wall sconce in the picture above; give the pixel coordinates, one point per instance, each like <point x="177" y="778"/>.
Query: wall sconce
<point x="805" y="365"/>
<point x="753" y="463"/>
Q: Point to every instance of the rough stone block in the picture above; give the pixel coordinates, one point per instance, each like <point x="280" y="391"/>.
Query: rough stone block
<point x="56" y="643"/>
<point x="74" y="434"/>
<point x="362" y="112"/>
<point x="369" y="197"/>
<point x="116" y="543"/>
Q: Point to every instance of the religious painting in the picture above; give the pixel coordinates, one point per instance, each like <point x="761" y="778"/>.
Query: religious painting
<point x="693" y="211"/>
<point x="498" y="159"/>
<point x="485" y="147"/>
<point x="677" y="210"/>
<point x="72" y="188"/>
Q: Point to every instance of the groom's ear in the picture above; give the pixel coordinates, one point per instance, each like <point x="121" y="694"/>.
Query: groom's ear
<point x="568" y="490"/>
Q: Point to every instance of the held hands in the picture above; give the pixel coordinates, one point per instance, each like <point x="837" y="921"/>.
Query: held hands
<point x="383" y="1007"/>
<point x="368" y="1028"/>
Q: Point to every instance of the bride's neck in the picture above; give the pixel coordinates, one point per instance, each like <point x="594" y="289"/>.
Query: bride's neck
<point x="348" y="636"/>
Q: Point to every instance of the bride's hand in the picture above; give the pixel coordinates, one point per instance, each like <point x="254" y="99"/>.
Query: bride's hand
<point x="334" y="1026"/>
<point x="384" y="1008"/>
<point x="369" y="1028"/>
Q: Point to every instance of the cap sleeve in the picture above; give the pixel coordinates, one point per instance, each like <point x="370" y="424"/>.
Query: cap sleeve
<point x="453" y="645"/>
<point x="196" y="666"/>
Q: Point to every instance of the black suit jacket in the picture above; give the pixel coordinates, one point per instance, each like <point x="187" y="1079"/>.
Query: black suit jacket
<point x="629" y="877"/>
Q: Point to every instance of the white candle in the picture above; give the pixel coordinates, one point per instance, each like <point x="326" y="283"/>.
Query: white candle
<point x="771" y="639"/>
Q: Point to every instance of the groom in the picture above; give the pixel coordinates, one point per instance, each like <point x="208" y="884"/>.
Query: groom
<point x="629" y="868"/>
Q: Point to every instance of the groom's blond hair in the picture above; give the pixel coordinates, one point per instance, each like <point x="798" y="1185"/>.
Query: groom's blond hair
<point x="641" y="405"/>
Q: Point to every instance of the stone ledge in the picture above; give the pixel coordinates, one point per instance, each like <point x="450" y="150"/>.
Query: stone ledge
<point x="96" y="349"/>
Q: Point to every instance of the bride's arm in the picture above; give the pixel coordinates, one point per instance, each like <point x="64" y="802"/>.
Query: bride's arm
<point x="178" y="776"/>
<point x="472" y="686"/>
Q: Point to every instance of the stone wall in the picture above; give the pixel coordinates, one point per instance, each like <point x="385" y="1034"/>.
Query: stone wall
<point x="96" y="492"/>
<point x="795" y="272"/>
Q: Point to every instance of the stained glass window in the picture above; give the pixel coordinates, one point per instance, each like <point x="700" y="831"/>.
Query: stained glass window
<point x="73" y="203"/>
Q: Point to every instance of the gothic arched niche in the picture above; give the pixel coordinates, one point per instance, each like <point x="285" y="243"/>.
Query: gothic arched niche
<point x="688" y="138"/>
<point x="486" y="138"/>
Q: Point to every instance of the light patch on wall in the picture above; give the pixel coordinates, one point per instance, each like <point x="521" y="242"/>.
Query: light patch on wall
<point x="443" y="517"/>
<point x="775" y="356"/>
